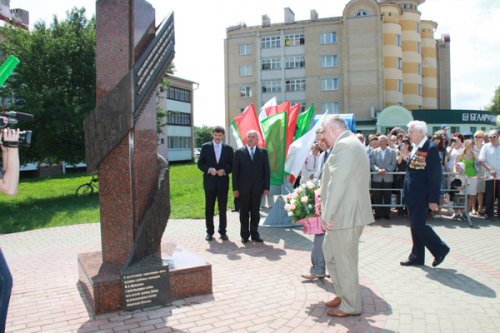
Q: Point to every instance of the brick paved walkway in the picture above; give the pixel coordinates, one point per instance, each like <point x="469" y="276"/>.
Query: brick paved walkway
<point x="257" y="287"/>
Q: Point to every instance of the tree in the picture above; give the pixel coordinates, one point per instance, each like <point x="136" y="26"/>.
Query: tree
<point x="202" y="134"/>
<point x="56" y="79"/>
<point x="495" y="102"/>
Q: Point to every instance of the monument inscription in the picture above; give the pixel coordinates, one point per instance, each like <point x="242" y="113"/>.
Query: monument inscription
<point x="146" y="288"/>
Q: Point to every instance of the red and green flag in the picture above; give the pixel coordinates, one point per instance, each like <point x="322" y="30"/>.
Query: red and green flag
<point x="304" y="121"/>
<point x="243" y="123"/>
<point x="274" y="130"/>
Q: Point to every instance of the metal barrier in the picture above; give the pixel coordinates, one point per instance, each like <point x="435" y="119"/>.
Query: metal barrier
<point x="459" y="202"/>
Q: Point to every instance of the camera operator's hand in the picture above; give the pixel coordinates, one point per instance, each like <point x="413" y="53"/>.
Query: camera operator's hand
<point x="10" y="155"/>
<point x="11" y="136"/>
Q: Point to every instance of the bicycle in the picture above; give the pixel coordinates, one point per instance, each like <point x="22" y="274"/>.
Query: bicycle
<point x="88" y="188"/>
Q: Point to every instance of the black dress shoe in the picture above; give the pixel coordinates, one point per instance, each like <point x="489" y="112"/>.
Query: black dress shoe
<point x="410" y="263"/>
<point x="438" y="260"/>
<point x="224" y="237"/>
<point x="209" y="237"/>
<point x="387" y="217"/>
<point x="258" y="240"/>
<point x="243" y="240"/>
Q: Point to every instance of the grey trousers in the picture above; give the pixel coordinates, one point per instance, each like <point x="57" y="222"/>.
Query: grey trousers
<point x="317" y="258"/>
<point x="341" y="255"/>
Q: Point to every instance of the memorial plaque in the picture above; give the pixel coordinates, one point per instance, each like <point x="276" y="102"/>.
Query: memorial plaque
<point x="145" y="284"/>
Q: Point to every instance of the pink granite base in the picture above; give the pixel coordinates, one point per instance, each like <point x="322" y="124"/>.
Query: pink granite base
<point x="191" y="276"/>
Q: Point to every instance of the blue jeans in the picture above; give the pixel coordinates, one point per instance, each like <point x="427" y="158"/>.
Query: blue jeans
<point x="5" y="291"/>
<point x="317" y="258"/>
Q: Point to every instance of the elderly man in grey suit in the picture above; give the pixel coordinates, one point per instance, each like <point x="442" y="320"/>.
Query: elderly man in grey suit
<point x="382" y="160"/>
<point x="345" y="210"/>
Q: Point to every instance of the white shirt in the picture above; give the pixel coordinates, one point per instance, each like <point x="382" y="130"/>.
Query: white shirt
<point x="491" y="155"/>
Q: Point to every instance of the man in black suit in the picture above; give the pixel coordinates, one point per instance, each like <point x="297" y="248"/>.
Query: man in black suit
<point x="251" y="180"/>
<point x="421" y="191"/>
<point x="216" y="159"/>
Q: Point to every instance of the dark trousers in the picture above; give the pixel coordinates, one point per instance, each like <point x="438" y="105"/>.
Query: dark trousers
<point x="423" y="236"/>
<point x="382" y="197"/>
<point x="210" y="197"/>
<point x="489" y="200"/>
<point x="5" y="290"/>
<point x="249" y="215"/>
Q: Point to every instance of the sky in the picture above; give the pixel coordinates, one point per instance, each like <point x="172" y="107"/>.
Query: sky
<point x="200" y="28"/>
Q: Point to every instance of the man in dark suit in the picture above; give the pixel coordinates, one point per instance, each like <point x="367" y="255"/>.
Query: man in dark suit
<point x="216" y="159"/>
<point x="421" y="191"/>
<point x="251" y="180"/>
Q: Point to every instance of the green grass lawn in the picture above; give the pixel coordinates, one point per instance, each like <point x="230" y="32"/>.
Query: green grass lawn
<point x="49" y="202"/>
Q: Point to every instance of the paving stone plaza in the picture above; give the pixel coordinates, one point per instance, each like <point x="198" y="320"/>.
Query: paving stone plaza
<point x="257" y="287"/>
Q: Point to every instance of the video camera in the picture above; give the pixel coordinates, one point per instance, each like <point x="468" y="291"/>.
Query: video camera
<point x="11" y="118"/>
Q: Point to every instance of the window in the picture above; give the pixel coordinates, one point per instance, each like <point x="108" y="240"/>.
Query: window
<point x="178" y="94"/>
<point x="418" y="27"/>
<point x="179" y="142"/>
<point x="328" y="61"/>
<point x="418" y="47"/>
<point x="330" y="107"/>
<point x="420" y="69"/>
<point x="178" y="118"/>
<point x="400" y="63"/>
<point x="268" y="64"/>
<point x="398" y="40"/>
<point x="162" y="141"/>
<point x="270" y="42"/>
<point x="245" y="49"/>
<point x="245" y="92"/>
<point x="295" y="62"/>
<point x="419" y="90"/>
<point x="295" y="39"/>
<point x="400" y="85"/>
<point x="328" y="38"/>
<point x="271" y="86"/>
<point x="245" y="70"/>
<point x="329" y="84"/>
<point x="473" y="129"/>
<point x="362" y="12"/>
<point x="295" y="85"/>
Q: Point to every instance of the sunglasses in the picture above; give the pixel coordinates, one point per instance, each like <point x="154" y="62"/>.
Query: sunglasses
<point x="478" y="137"/>
<point x="493" y="136"/>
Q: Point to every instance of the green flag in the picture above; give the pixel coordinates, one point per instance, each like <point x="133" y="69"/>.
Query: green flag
<point x="274" y="131"/>
<point x="303" y="122"/>
<point x="7" y="68"/>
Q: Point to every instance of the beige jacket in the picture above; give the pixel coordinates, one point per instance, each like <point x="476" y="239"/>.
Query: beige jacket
<point x="345" y="185"/>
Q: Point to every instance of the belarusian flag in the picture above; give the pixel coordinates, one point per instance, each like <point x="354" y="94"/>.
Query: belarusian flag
<point x="270" y="103"/>
<point x="293" y="114"/>
<point x="303" y="122"/>
<point x="274" y="129"/>
<point x="299" y="150"/>
<point x="244" y="122"/>
<point x="283" y="107"/>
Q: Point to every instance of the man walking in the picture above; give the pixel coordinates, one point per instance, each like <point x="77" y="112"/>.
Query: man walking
<point x="216" y="159"/>
<point x="345" y="210"/>
<point x="251" y="180"/>
<point x="421" y="192"/>
<point x="489" y="158"/>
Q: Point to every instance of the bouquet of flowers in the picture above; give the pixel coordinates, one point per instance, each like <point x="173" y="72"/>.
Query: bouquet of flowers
<point x="303" y="207"/>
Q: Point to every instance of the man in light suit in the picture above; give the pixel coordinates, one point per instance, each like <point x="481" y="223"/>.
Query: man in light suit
<point x="421" y="192"/>
<point x="216" y="159"/>
<point x="251" y="180"/>
<point x="382" y="160"/>
<point x="345" y="210"/>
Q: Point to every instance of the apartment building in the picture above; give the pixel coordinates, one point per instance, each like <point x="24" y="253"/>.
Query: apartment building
<point x="176" y="142"/>
<point x="376" y="55"/>
<point x="17" y="16"/>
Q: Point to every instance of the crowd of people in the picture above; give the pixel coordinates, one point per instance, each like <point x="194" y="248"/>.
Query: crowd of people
<point x="470" y="163"/>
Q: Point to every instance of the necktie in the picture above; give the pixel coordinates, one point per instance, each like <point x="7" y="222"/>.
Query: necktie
<point x="326" y="156"/>
<point x="252" y="153"/>
<point x="217" y="152"/>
